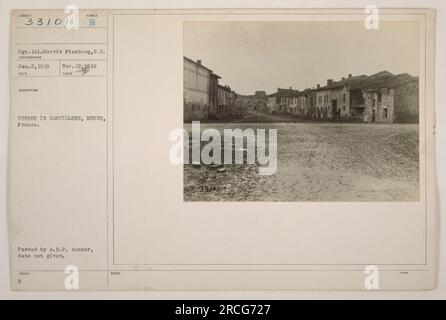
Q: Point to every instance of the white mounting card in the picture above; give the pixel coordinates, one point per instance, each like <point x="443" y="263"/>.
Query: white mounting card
<point x="222" y="149"/>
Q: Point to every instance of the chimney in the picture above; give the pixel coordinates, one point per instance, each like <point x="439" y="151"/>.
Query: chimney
<point x="199" y="62"/>
<point x="329" y="82"/>
<point x="318" y="86"/>
<point x="343" y="78"/>
<point x="349" y="75"/>
<point x="291" y="88"/>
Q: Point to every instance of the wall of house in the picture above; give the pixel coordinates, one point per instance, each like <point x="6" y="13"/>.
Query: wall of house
<point x="302" y="108"/>
<point x="213" y="97"/>
<point x="195" y="91"/>
<point x="239" y="102"/>
<point x="342" y="96"/>
<point x="378" y="105"/>
<point x="233" y="112"/>
<point x="323" y="104"/>
<point x="311" y="103"/>
<point x="223" y="103"/>
<point x="271" y="104"/>
<point x="288" y="104"/>
<point x="260" y="103"/>
<point x="356" y="104"/>
<point x="406" y="103"/>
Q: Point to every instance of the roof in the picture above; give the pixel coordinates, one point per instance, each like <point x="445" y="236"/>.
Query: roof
<point x="387" y="80"/>
<point x="195" y="62"/>
<point x="382" y="79"/>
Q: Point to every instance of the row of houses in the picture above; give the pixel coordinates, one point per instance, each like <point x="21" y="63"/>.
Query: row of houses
<point x="382" y="97"/>
<point x="204" y="97"/>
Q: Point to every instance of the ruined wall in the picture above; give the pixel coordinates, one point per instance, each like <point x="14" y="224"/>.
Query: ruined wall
<point x="356" y="99"/>
<point x="379" y="105"/>
<point x="406" y="105"/>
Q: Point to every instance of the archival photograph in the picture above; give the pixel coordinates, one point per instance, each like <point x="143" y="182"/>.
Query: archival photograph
<point x="301" y="111"/>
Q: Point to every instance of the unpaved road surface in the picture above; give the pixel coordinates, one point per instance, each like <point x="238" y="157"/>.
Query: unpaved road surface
<point x="318" y="162"/>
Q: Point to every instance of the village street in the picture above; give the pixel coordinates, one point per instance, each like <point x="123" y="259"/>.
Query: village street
<point x="318" y="162"/>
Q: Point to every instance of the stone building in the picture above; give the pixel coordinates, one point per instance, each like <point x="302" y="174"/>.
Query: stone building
<point x="323" y="108"/>
<point x="381" y="97"/>
<point x="234" y="112"/>
<point x="227" y="106"/>
<point x="271" y="103"/>
<point x="203" y="97"/>
<point x="391" y="99"/>
<point x="239" y="104"/>
<point x="259" y="100"/>
<point x="406" y="101"/>
<point x="302" y="104"/>
<point x="213" y="96"/>
<point x="384" y="97"/>
<point x="242" y="101"/>
<point x="339" y="102"/>
<point x="196" y="86"/>
<point x="223" y="102"/>
<point x="311" y="103"/>
<point x="286" y="100"/>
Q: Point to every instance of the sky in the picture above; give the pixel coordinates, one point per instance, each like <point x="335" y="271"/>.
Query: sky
<point x="251" y="56"/>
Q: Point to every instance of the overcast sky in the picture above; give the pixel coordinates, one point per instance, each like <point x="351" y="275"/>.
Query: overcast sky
<point x="252" y="56"/>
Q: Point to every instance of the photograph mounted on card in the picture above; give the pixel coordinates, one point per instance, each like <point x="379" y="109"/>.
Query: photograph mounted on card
<point x="273" y="149"/>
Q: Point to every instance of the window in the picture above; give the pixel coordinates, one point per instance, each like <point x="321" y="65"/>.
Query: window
<point x="374" y="102"/>
<point x="385" y="113"/>
<point x="379" y="97"/>
<point x="343" y="97"/>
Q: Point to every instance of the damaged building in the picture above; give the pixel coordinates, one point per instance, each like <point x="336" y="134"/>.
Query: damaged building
<point x="381" y="97"/>
<point x="391" y="99"/>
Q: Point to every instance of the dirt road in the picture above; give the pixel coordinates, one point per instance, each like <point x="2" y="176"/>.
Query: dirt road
<point x="319" y="162"/>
